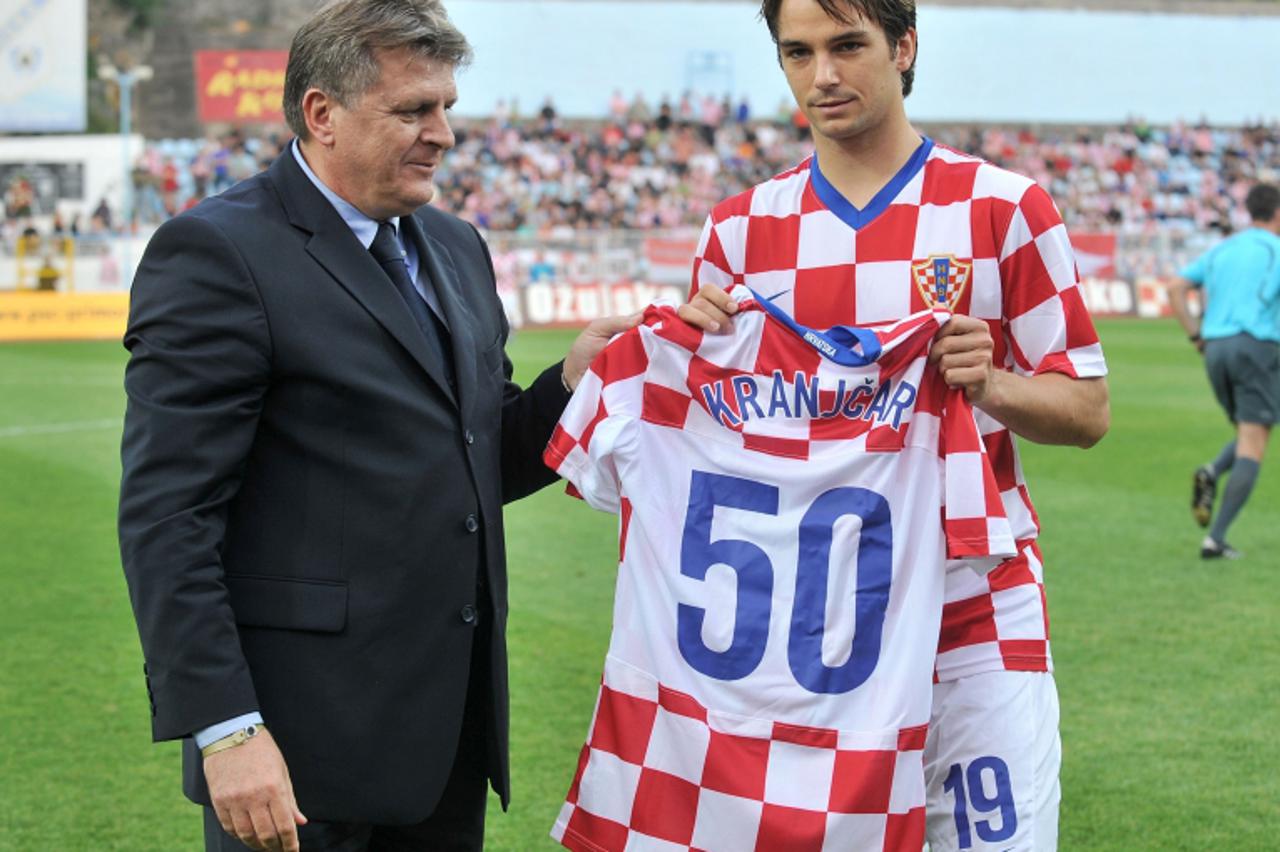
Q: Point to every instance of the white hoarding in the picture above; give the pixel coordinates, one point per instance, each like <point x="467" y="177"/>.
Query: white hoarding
<point x="42" y="65"/>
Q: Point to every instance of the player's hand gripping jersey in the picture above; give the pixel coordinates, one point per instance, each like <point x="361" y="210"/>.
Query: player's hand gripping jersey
<point x="952" y="232"/>
<point x="788" y="499"/>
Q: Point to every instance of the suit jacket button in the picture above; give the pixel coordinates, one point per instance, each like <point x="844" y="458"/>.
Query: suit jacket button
<point x="469" y="437"/>
<point x="472" y="523"/>
<point x="468" y="614"/>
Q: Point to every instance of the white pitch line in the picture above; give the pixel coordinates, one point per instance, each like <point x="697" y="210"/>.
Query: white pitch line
<point x="57" y="428"/>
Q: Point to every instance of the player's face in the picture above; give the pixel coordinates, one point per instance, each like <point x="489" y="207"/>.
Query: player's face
<point x="387" y="146"/>
<point x="846" y="78"/>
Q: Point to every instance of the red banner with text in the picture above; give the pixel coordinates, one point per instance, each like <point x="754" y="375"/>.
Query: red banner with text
<point x="241" y="86"/>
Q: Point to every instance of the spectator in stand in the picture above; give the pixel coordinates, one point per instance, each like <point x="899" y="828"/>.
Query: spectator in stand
<point x="541" y="269"/>
<point x="665" y="118"/>
<point x="638" y="112"/>
<point x="617" y="107"/>
<point x="548" y="117"/>
<point x="100" y="219"/>
<point x="169" y="187"/>
<point x="800" y="123"/>
<point x="684" y="112"/>
<point x="1134" y="180"/>
<point x="219" y="161"/>
<point x="710" y="117"/>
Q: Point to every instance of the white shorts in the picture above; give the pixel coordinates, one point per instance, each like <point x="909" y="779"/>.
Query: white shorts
<point x="991" y="763"/>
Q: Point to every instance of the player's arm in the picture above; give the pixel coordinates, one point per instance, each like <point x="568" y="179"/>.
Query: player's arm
<point x="1048" y="408"/>
<point x="1178" y="290"/>
<point x="1054" y="391"/>
<point x="1191" y="277"/>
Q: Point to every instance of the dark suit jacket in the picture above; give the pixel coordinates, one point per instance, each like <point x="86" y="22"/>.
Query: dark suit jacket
<point x="306" y="510"/>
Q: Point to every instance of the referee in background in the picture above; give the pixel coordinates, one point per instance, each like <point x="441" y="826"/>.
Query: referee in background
<point x="1239" y="336"/>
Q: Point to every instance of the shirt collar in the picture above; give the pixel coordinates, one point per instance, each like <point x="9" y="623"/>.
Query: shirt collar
<point x="361" y="225"/>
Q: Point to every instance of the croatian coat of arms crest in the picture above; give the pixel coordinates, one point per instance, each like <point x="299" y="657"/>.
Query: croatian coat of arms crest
<point x="942" y="279"/>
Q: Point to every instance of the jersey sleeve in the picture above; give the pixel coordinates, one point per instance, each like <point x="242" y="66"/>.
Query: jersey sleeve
<point x="977" y="529"/>
<point x="1044" y="314"/>
<point x="1197" y="270"/>
<point x="598" y="421"/>
<point x="710" y="263"/>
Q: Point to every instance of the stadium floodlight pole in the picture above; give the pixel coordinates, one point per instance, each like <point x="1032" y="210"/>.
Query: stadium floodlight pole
<point x="126" y="80"/>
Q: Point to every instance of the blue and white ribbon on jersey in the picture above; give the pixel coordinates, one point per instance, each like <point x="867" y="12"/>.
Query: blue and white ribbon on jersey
<point x="846" y="345"/>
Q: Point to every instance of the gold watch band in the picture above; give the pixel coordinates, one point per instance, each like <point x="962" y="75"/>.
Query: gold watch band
<point x="233" y="739"/>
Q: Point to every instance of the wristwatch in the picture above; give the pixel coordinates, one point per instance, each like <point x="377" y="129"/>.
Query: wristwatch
<point x="233" y="739"/>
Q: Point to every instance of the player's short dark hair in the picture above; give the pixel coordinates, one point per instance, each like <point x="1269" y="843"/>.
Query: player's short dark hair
<point x="895" y="17"/>
<point x="335" y="51"/>
<point x="1262" y="202"/>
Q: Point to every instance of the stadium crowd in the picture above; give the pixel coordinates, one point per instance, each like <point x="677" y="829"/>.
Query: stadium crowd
<point x="645" y="168"/>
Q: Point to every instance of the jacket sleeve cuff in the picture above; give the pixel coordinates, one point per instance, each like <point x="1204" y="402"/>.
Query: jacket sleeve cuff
<point x="213" y="733"/>
<point x="550" y="391"/>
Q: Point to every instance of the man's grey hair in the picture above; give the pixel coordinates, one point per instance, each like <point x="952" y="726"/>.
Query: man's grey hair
<point x="336" y="50"/>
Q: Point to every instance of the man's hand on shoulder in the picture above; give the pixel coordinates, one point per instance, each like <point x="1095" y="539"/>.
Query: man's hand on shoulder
<point x="963" y="352"/>
<point x="590" y="342"/>
<point x="710" y="309"/>
<point x="253" y="796"/>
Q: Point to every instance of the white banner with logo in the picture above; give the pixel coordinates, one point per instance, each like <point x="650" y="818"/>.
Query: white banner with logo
<point x="42" y="65"/>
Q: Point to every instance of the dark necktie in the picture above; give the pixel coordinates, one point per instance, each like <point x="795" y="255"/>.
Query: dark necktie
<point x="387" y="251"/>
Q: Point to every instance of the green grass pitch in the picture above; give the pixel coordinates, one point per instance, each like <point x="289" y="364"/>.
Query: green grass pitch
<point x="1168" y="667"/>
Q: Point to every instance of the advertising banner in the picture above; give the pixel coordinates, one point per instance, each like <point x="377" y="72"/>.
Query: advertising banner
<point x="559" y="288"/>
<point x="241" y="86"/>
<point x="1095" y="254"/>
<point x="1106" y="292"/>
<point x="42" y="66"/>
<point x="570" y="305"/>
<point x="670" y="261"/>
<point x="567" y="287"/>
<point x="61" y="316"/>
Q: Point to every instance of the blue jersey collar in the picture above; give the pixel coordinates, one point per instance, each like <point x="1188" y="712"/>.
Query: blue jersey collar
<point x="843" y="208"/>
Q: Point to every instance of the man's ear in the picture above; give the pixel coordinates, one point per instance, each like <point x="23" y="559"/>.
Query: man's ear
<point x="317" y="112"/>
<point x="905" y="51"/>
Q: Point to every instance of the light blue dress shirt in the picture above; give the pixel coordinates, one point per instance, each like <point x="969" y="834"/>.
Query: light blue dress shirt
<point x="366" y="229"/>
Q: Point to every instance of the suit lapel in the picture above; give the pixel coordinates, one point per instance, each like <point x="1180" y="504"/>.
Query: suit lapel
<point x="437" y="261"/>
<point x="335" y="247"/>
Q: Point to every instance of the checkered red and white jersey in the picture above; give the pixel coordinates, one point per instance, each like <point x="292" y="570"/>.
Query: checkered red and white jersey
<point x="949" y="231"/>
<point x="769" y="675"/>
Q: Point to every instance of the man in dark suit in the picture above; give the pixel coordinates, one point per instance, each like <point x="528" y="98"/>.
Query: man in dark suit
<point x="321" y="433"/>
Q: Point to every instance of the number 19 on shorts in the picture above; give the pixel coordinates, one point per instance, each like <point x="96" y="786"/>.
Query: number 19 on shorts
<point x="969" y="787"/>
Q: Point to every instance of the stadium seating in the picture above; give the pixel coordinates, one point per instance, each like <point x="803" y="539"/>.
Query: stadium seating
<point x="543" y="176"/>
